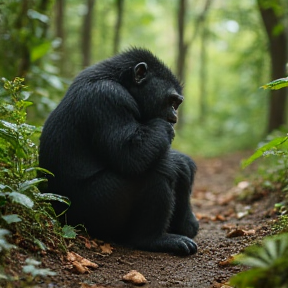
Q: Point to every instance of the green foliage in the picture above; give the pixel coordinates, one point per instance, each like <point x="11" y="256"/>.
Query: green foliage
<point x="276" y="147"/>
<point x="4" y="244"/>
<point x="31" y="268"/>
<point x="276" y="84"/>
<point x="23" y="210"/>
<point x="269" y="264"/>
<point x="69" y="232"/>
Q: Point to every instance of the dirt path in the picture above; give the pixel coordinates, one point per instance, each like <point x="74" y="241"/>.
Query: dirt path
<point x="214" y="203"/>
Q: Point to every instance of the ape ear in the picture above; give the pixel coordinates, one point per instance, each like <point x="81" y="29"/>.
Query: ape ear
<point x="140" y="72"/>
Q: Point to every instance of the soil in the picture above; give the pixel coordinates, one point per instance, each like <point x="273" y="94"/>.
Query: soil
<point x="220" y="212"/>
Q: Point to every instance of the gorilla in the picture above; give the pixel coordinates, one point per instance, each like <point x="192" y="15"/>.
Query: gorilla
<point x="108" y="144"/>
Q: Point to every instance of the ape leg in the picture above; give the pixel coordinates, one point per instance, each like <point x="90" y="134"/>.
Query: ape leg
<point x="183" y="221"/>
<point x="154" y="212"/>
<point x="105" y="205"/>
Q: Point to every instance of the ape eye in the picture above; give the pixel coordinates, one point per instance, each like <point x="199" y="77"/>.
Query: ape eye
<point x="140" y="72"/>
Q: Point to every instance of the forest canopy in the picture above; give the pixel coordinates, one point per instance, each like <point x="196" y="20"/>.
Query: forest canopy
<point x="223" y="51"/>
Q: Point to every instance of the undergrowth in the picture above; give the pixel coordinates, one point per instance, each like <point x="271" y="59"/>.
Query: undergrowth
<point x="269" y="261"/>
<point x="26" y="215"/>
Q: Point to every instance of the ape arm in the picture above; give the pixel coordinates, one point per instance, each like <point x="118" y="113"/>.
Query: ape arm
<point x="120" y="140"/>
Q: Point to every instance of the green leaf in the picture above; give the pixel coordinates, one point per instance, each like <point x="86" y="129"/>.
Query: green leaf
<point x="21" y="199"/>
<point x="45" y="171"/>
<point x="69" y="232"/>
<point x="5" y="188"/>
<point x="40" y="244"/>
<point x="54" y="197"/>
<point x="12" y="218"/>
<point x="30" y="183"/>
<point x="34" y="271"/>
<point x="276" y="84"/>
<point x="9" y="132"/>
<point x="272" y="144"/>
<point x="40" y="51"/>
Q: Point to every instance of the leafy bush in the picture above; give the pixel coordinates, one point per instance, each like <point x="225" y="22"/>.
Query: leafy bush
<point x="23" y="210"/>
<point x="269" y="262"/>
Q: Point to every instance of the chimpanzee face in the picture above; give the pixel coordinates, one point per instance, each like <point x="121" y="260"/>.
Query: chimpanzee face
<point x="157" y="95"/>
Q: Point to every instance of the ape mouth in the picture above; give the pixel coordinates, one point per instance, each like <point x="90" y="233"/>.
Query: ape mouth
<point x="174" y="100"/>
<point x="172" y="118"/>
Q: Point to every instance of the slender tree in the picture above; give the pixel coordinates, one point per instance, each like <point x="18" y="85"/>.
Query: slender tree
<point x="86" y="35"/>
<point x="183" y="45"/>
<point x="24" y="59"/>
<point x="203" y="73"/>
<point x="181" y="51"/>
<point x="60" y="31"/>
<point x="277" y="40"/>
<point x="118" y="25"/>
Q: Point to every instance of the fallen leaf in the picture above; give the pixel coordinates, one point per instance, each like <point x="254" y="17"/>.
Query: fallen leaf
<point x="250" y="232"/>
<point x="85" y="285"/>
<point x="135" y="278"/>
<point x="235" y="233"/>
<point x="106" y="248"/>
<point x="240" y="232"/>
<point x="218" y="217"/>
<point x="79" y="263"/>
<point x="228" y="226"/>
<point x="227" y="261"/>
<point x="241" y="215"/>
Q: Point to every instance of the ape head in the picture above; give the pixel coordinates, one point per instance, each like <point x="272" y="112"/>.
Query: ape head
<point x="153" y="86"/>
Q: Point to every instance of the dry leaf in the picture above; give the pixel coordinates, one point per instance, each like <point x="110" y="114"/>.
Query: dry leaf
<point x="135" y="278"/>
<point x="79" y="268"/>
<point x="106" y="248"/>
<point x="250" y="232"/>
<point x="240" y="232"/>
<point x="228" y="226"/>
<point x="85" y="285"/>
<point x="218" y="217"/>
<point x="227" y="261"/>
<point x="79" y="263"/>
<point x="235" y="233"/>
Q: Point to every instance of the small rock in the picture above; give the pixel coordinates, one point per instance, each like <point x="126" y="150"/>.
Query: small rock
<point x="135" y="278"/>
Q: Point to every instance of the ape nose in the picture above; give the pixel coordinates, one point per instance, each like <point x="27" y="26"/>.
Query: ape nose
<point x="176" y="100"/>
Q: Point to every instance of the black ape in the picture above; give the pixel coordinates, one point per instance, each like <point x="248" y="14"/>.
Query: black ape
<point x="108" y="144"/>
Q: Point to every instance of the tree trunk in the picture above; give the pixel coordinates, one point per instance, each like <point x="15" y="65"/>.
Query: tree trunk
<point x="25" y="59"/>
<point x="278" y="54"/>
<point x="203" y="74"/>
<point x="118" y="25"/>
<point x="183" y="46"/>
<point x="87" y="33"/>
<point x="181" y="52"/>
<point x="60" y="31"/>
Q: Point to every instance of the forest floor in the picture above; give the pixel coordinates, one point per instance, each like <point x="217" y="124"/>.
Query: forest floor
<point x="227" y="226"/>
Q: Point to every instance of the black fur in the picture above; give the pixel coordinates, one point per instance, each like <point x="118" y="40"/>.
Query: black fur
<point x="108" y="144"/>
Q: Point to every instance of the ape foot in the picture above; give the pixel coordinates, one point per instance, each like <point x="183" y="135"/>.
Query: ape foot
<point x="172" y="243"/>
<point x="190" y="227"/>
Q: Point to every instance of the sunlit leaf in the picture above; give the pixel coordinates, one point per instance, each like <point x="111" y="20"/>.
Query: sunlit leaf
<point x="276" y="84"/>
<point x="54" y="197"/>
<point x="12" y="218"/>
<point x="5" y="188"/>
<point x="272" y="144"/>
<point x="21" y="199"/>
<point x="45" y="171"/>
<point x="40" y="51"/>
<point x="33" y="14"/>
<point x="30" y="183"/>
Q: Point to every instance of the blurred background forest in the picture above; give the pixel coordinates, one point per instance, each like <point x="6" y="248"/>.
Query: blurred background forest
<point x="223" y="51"/>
